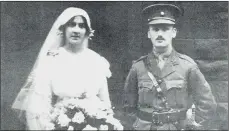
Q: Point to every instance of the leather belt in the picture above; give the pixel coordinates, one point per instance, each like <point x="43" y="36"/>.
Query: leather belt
<point x="160" y="118"/>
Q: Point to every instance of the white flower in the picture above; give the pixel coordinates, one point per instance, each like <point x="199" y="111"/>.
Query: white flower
<point x="45" y="121"/>
<point x="78" y="117"/>
<point x="89" y="127"/>
<point x="98" y="110"/>
<point x="63" y="120"/>
<point x="100" y="114"/>
<point x="59" y="105"/>
<point x="70" y="128"/>
<point x="55" y="112"/>
<point x="58" y="109"/>
<point x="71" y="103"/>
<point x="49" y="126"/>
<point x="71" y="106"/>
<point x="95" y="113"/>
<point x="99" y="104"/>
<point x="103" y="127"/>
<point x="115" y="122"/>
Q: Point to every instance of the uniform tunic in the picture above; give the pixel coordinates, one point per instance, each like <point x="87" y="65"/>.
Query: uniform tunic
<point x="180" y="80"/>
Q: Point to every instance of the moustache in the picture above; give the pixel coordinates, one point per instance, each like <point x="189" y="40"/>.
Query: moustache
<point x="160" y="38"/>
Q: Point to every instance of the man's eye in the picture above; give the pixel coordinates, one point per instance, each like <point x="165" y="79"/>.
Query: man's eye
<point x="81" y="25"/>
<point x="155" y="29"/>
<point x="165" y="29"/>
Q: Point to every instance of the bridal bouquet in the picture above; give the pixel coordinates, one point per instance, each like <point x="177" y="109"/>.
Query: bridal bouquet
<point x="83" y="114"/>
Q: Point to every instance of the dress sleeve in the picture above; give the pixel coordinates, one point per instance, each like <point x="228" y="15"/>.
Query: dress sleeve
<point x="202" y="95"/>
<point x="103" y="91"/>
<point x="105" y="66"/>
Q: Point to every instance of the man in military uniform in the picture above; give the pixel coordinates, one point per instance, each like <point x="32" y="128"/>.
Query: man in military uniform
<point x="162" y="86"/>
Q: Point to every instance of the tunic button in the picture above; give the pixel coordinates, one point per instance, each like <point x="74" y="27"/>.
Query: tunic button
<point x="158" y="89"/>
<point x="159" y="81"/>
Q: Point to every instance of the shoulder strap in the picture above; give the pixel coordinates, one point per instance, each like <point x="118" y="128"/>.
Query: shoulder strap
<point x="141" y="58"/>
<point x="155" y="83"/>
<point x="157" y="86"/>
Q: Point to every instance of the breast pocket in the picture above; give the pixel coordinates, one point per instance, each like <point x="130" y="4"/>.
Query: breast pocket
<point x="176" y="92"/>
<point x="177" y="84"/>
<point x="145" y="92"/>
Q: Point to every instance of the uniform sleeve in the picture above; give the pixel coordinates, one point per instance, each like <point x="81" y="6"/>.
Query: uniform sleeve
<point x="131" y="91"/>
<point x="202" y="96"/>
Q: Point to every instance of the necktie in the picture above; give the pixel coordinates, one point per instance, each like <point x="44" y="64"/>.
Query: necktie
<point x="161" y="62"/>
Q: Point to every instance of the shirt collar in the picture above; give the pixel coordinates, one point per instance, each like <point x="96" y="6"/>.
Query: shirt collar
<point x="169" y="55"/>
<point x="163" y="55"/>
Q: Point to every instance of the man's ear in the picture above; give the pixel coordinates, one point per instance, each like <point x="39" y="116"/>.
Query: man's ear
<point x="148" y="34"/>
<point x="174" y="32"/>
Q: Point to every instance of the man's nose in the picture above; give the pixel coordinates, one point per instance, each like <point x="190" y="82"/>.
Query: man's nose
<point x="160" y="32"/>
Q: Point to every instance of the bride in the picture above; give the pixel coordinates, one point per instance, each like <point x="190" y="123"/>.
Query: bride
<point x="65" y="68"/>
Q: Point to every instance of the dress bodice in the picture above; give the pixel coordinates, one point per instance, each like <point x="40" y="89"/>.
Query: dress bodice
<point x="74" y="75"/>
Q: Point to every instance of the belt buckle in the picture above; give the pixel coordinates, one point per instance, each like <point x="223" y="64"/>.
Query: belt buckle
<point x="156" y="119"/>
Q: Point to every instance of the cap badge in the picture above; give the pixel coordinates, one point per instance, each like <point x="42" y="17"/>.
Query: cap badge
<point x="162" y="13"/>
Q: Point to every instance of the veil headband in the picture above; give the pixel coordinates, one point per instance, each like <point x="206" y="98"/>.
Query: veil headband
<point x="53" y="41"/>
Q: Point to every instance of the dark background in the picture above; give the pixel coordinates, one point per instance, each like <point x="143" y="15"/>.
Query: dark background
<point x="120" y="38"/>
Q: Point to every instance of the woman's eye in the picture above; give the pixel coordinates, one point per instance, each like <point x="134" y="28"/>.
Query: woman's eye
<point x="81" y="25"/>
<point x="72" y="24"/>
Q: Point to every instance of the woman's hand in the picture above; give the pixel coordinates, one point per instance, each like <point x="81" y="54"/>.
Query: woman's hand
<point x="45" y="123"/>
<point x="39" y="122"/>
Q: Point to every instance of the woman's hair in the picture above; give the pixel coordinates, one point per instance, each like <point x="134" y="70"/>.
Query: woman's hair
<point x="63" y="27"/>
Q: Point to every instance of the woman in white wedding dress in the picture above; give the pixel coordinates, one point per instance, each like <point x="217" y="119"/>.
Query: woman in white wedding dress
<point x="65" y="68"/>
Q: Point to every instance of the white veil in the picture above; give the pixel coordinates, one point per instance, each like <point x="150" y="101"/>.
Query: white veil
<point x="53" y="41"/>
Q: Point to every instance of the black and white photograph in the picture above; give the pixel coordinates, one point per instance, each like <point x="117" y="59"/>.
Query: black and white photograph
<point x="114" y="65"/>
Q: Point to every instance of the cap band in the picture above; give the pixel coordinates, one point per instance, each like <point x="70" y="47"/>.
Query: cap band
<point x="162" y="13"/>
<point x="161" y="21"/>
<point x="159" y="18"/>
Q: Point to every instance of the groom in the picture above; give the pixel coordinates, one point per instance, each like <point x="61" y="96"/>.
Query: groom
<point x="163" y="85"/>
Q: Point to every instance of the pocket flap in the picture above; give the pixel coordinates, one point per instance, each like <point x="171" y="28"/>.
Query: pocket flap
<point x="146" y="84"/>
<point x="175" y="84"/>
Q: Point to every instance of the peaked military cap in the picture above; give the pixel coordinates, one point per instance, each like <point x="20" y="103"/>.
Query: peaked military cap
<point x="162" y="13"/>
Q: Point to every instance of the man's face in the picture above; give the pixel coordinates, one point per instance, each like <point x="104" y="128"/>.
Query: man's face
<point x="75" y="31"/>
<point x="161" y="35"/>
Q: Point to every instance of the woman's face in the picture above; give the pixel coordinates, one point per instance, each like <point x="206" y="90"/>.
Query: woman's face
<point x="75" y="31"/>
